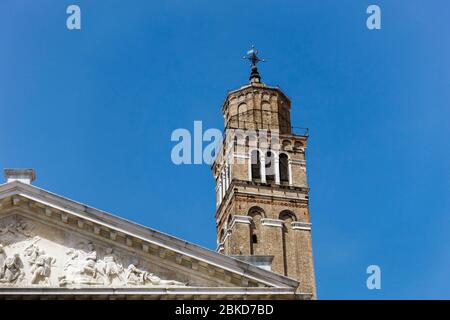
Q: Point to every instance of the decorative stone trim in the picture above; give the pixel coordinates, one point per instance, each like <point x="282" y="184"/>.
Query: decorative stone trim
<point x="22" y="175"/>
<point x="173" y="293"/>
<point x="129" y="242"/>
<point x="279" y="197"/>
<point x="240" y="219"/>
<point x="220" y="248"/>
<point x="297" y="225"/>
<point x="162" y="253"/>
<point x="136" y="235"/>
<point x="48" y="212"/>
<point x="299" y="162"/>
<point x="272" y="222"/>
<point x="240" y="156"/>
<point x="15" y="201"/>
<point x="227" y="234"/>
<point x="64" y="217"/>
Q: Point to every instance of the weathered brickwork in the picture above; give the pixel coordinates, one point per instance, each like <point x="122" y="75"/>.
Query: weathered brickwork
<point x="262" y="204"/>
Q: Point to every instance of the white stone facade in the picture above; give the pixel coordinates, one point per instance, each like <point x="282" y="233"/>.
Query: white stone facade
<point x="51" y="246"/>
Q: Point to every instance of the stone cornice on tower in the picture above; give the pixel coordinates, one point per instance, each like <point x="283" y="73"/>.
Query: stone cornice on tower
<point x="253" y="87"/>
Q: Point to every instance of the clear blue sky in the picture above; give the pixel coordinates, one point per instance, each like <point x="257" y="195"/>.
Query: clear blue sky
<point x="93" y="111"/>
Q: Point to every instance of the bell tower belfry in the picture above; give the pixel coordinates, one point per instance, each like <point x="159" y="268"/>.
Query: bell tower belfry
<point x="262" y="205"/>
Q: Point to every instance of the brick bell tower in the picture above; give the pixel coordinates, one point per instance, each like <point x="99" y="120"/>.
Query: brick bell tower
<point x="262" y="203"/>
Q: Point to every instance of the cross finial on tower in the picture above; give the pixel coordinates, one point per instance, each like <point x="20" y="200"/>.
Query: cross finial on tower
<point x="252" y="56"/>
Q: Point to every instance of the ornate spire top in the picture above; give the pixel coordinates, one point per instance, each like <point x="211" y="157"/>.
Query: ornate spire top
<point x="252" y="56"/>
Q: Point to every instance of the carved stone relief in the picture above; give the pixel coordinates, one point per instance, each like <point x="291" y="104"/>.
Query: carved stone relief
<point x="14" y="231"/>
<point x="11" y="270"/>
<point x="136" y="276"/>
<point x="32" y="254"/>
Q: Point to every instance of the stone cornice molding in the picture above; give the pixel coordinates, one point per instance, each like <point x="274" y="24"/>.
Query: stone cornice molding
<point x="241" y="156"/>
<point x="220" y="247"/>
<point x="240" y="219"/>
<point x="272" y="222"/>
<point x="299" y="162"/>
<point x="297" y="225"/>
<point x="175" y="293"/>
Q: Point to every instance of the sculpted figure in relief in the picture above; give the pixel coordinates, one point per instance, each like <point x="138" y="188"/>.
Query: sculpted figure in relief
<point x="84" y="267"/>
<point x="10" y="271"/>
<point x="136" y="276"/>
<point x="32" y="251"/>
<point x="90" y="261"/>
<point x="111" y="267"/>
<point x="22" y="228"/>
<point x="41" y="268"/>
<point x="2" y="256"/>
<point x="14" y="231"/>
<point x="157" y="281"/>
<point x="81" y="268"/>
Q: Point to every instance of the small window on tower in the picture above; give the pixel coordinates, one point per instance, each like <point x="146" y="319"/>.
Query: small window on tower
<point x="270" y="167"/>
<point x="284" y="168"/>
<point x="254" y="239"/>
<point x="255" y="165"/>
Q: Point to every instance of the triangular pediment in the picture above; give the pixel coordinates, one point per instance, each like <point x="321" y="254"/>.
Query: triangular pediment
<point x="58" y="244"/>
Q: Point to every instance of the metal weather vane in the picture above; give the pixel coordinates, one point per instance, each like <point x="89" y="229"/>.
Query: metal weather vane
<point x="252" y="56"/>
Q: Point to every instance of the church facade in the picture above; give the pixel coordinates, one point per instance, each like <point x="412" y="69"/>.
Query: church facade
<point x="52" y="247"/>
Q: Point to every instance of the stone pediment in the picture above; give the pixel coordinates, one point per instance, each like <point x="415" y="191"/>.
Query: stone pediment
<point x="52" y="244"/>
